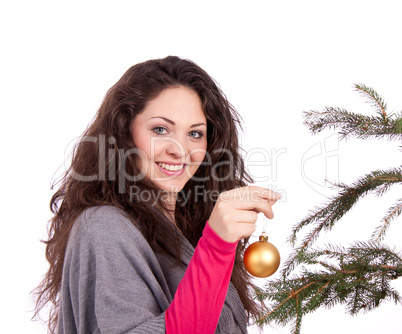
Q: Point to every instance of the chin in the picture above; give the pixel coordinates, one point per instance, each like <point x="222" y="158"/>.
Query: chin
<point x="171" y="187"/>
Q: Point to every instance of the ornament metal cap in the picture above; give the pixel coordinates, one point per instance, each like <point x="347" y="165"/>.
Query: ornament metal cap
<point x="263" y="237"/>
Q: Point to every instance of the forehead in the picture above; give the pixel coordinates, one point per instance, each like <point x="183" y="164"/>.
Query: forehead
<point x="180" y="102"/>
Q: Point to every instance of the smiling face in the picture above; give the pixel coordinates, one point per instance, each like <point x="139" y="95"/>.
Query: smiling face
<point x="171" y="135"/>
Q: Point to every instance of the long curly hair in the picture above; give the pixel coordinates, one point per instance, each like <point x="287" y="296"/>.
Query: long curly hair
<point x="102" y="173"/>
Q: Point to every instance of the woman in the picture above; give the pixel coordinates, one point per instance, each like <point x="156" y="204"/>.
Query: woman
<point x="149" y="219"/>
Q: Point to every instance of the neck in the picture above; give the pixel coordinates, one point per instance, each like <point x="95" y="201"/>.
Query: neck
<point x="170" y="206"/>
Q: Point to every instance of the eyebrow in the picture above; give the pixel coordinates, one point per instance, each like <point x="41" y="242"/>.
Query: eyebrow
<point x="173" y="123"/>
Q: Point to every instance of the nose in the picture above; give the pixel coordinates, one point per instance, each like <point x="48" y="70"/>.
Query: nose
<point x="176" y="148"/>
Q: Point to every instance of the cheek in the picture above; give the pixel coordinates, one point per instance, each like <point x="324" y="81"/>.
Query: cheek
<point x="143" y="149"/>
<point x="142" y="143"/>
<point x="198" y="154"/>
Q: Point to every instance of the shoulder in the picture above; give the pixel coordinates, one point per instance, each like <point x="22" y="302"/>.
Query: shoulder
<point x="104" y="224"/>
<point x="103" y="215"/>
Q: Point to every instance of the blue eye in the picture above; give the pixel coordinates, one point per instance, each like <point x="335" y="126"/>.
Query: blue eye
<point x="196" y="134"/>
<point x="159" y="130"/>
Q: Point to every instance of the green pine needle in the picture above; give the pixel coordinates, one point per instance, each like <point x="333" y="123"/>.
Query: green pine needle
<point x="392" y="213"/>
<point x="374" y="99"/>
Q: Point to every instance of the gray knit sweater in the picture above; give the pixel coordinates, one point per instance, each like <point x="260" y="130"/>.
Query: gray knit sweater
<point x="113" y="282"/>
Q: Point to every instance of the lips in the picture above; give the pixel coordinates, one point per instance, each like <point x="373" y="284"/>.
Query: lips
<point x="171" y="169"/>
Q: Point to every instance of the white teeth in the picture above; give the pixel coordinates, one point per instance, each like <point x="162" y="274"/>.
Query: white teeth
<point x="172" y="168"/>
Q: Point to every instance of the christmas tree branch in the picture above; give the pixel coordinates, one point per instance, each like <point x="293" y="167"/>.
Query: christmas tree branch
<point x="374" y="98"/>
<point x="378" y="181"/>
<point x="359" y="278"/>
<point x="392" y="213"/>
<point x="353" y="124"/>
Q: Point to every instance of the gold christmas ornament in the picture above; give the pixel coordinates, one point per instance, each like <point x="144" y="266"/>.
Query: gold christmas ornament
<point x="261" y="258"/>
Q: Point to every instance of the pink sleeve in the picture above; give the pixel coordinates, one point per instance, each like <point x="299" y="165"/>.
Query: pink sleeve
<point x="198" y="302"/>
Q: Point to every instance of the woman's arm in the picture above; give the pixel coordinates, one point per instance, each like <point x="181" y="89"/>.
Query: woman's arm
<point x="199" y="299"/>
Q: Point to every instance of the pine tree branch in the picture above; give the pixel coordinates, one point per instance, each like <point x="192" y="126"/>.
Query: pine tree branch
<point x="392" y="213"/>
<point x="378" y="182"/>
<point x="359" y="279"/>
<point x="374" y="98"/>
<point x="351" y="124"/>
<point x="328" y="215"/>
<point x="398" y="125"/>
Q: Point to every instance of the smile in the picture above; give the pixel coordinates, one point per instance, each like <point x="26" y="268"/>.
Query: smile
<point x="171" y="168"/>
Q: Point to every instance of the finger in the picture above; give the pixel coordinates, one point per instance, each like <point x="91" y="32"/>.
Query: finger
<point x="246" y="216"/>
<point x="264" y="193"/>
<point x="266" y="209"/>
<point x="251" y="193"/>
<point x="256" y="204"/>
<point x="254" y="191"/>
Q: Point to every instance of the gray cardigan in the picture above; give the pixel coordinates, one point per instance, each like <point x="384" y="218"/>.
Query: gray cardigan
<point x="113" y="282"/>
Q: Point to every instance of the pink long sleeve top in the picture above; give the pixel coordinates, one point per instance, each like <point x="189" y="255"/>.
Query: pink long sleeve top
<point x="200" y="296"/>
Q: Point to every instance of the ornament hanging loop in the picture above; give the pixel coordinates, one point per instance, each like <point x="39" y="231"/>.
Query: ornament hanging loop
<point x="264" y="224"/>
<point x="263" y="237"/>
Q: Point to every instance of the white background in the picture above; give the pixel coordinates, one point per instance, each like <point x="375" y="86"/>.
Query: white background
<point x="273" y="59"/>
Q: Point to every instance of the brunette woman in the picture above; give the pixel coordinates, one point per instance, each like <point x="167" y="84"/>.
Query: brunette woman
<point x="151" y="219"/>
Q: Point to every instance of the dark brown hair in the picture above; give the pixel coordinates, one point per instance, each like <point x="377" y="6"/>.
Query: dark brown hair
<point x="96" y="178"/>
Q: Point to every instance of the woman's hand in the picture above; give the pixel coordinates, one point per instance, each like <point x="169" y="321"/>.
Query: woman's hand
<point x="235" y="212"/>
